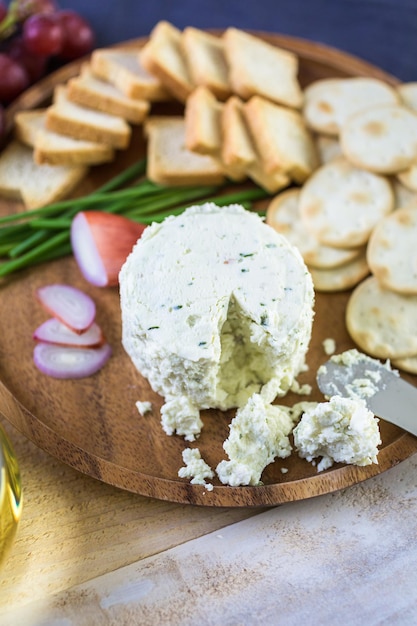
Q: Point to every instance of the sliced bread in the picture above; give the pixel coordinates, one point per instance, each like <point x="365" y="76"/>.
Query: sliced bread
<point x="94" y="93"/>
<point x="55" y="149"/>
<point x="123" y="69"/>
<point x="163" y="57"/>
<point x="170" y="162"/>
<point x="202" y="122"/>
<point x="282" y="138"/>
<point x="206" y="61"/>
<point x="237" y="146"/>
<point x="36" y="185"/>
<point x="27" y="125"/>
<point x="239" y="151"/>
<point x="258" y="67"/>
<point x="67" y="118"/>
<point x="203" y="129"/>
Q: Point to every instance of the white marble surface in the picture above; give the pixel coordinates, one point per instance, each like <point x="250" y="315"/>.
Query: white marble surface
<point x="346" y="558"/>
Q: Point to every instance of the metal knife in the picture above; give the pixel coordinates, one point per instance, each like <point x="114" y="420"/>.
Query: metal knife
<point x="385" y="394"/>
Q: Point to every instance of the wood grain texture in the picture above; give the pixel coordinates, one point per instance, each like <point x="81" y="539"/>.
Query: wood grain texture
<point x="346" y="558"/>
<point x="74" y="528"/>
<point x="93" y="425"/>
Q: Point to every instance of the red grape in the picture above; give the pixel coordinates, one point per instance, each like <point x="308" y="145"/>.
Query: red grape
<point x="78" y="36"/>
<point x="34" y="64"/>
<point x="14" y="78"/>
<point x="42" y="34"/>
<point x="3" y="11"/>
<point x="30" y="7"/>
<point x="2" y="125"/>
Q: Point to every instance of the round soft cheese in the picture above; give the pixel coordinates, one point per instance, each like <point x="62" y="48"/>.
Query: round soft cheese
<point x="216" y="305"/>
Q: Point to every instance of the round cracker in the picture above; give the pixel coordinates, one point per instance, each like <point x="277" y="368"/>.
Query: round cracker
<point x="392" y="251"/>
<point x="409" y="177"/>
<point x="340" y="278"/>
<point x="382" y="322"/>
<point x="329" y="102"/>
<point x="381" y="139"/>
<point x="403" y="195"/>
<point x="407" y="364"/>
<point x="341" y="204"/>
<point x="328" y="148"/>
<point x="284" y="216"/>
<point x="408" y="94"/>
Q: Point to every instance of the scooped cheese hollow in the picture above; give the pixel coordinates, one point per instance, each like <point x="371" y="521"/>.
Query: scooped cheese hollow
<point x="216" y="306"/>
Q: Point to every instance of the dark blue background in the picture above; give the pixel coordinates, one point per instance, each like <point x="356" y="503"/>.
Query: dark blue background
<point x="383" y="32"/>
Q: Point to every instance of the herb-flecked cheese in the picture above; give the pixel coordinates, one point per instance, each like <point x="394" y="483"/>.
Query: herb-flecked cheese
<point x="216" y="306"/>
<point x="342" y="430"/>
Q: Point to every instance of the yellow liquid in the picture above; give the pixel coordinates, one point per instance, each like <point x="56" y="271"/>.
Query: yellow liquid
<point x="10" y="494"/>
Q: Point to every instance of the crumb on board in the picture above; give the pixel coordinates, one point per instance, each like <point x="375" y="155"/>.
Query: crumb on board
<point x="329" y="345"/>
<point x="144" y="407"/>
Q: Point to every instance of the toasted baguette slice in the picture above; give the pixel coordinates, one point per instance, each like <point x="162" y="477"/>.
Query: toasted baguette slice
<point x="202" y="122"/>
<point x="206" y="61"/>
<point x="55" y="149"/>
<point x="169" y="161"/>
<point x="271" y="182"/>
<point x="163" y="57"/>
<point x="256" y="67"/>
<point x="89" y="91"/>
<point x="66" y="118"/>
<point x="36" y="185"/>
<point x="203" y="129"/>
<point x="237" y="146"/>
<point x="27" y="125"/>
<point x="239" y="152"/>
<point x="282" y="138"/>
<point x="123" y="69"/>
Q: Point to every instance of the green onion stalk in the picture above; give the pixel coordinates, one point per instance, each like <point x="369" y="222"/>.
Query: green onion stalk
<point x="40" y="235"/>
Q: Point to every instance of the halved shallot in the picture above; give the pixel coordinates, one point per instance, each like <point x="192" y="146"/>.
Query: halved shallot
<point x="69" y="305"/>
<point x="67" y="362"/>
<point x="101" y="243"/>
<point x="54" y="331"/>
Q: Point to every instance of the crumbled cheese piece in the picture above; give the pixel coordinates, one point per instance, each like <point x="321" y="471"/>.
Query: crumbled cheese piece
<point x="195" y="468"/>
<point x="144" y="407"/>
<point x="299" y="408"/>
<point x="353" y="356"/>
<point x="342" y="430"/>
<point x="329" y="345"/>
<point x="363" y="387"/>
<point x="180" y="415"/>
<point x="258" y="434"/>
<point x="301" y="390"/>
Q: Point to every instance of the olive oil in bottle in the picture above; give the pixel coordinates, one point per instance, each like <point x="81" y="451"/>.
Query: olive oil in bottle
<point x="10" y="494"/>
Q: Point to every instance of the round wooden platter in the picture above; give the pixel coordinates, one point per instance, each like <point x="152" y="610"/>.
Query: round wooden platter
<point x="93" y="424"/>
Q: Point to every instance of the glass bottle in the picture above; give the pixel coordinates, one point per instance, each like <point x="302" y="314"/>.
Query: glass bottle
<point x="10" y="494"/>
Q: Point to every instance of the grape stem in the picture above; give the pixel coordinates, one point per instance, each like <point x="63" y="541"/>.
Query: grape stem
<point x="10" y="22"/>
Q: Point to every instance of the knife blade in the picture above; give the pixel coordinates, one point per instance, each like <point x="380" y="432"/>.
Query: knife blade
<point x="384" y="392"/>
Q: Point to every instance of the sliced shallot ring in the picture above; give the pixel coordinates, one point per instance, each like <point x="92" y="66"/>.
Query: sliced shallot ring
<point x="70" y="305"/>
<point x="68" y="362"/>
<point x="54" y="331"/>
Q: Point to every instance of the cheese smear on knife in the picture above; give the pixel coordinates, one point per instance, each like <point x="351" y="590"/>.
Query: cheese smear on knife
<point x="216" y="306"/>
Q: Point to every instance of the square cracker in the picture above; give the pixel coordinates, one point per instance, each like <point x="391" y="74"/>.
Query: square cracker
<point x="170" y="162"/>
<point x="282" y="138"/>
<point x="258" y="67"/>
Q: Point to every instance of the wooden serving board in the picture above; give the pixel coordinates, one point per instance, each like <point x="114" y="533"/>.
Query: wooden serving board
<point x="93" y="425"/>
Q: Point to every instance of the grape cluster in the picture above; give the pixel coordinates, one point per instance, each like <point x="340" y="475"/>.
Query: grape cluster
<point x="33" y="33"/>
